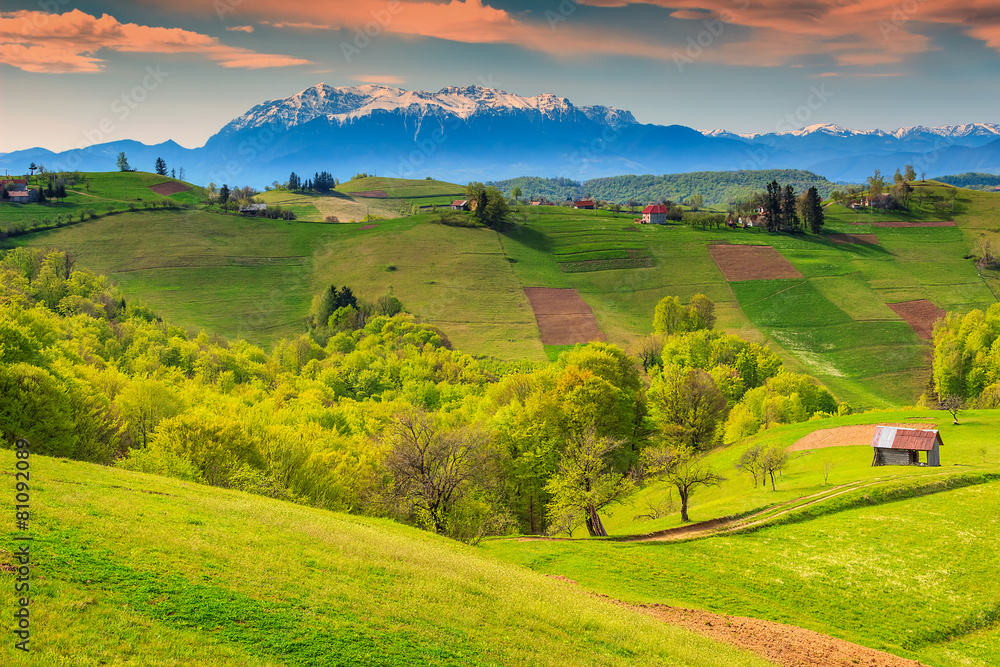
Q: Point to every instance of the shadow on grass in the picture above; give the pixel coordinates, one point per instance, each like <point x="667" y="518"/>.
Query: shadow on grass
<point x="529" y="237"/>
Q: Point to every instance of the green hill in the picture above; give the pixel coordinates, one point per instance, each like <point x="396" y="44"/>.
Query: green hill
<point x="898" y="559"/>
<point x="130" y="568"/>
<point x="256" y="278"/>
<point x="718" y="188"/>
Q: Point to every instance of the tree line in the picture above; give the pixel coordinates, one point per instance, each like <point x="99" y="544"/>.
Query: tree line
<point x="715" y="188"/>
<point x="373" y="412"/>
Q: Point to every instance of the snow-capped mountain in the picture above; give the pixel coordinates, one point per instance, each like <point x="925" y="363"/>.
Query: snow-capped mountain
<point x="478" y="133"/>
<point x="346" y="104"/>
<point x="989" y="131"/>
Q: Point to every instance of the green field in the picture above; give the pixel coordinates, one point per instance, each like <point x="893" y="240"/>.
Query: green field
<point x="834" y="323"/>
<point x="902" y="561"/>
<point x="137" y="569"/>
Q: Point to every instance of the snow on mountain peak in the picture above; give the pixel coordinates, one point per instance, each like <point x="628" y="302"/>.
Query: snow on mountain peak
<point x="344" y="104"/>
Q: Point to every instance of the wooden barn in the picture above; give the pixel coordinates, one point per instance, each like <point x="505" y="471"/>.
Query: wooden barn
<point x="896" y="446"/>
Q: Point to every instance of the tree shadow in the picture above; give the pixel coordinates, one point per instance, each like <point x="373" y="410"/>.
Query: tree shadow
<point x="529" y="237"/>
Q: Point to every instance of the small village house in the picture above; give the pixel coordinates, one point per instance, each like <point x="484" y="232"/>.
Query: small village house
<point x="896" y="446"/>
<point x="460" y="205"/>
<point x="655" y="214"/>
<point x="584" y="204"/>
<point x="253" y="209"/>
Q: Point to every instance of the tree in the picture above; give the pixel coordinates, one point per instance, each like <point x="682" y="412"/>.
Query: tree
<point x="751" y="462"/>
<point x="695" y="202"/>
<point x="953" y="404"/>
<point x="515" y="193"/>
<point x="773" y="460"/>
<point x="688" y="407"/>
<point x="160" y="166"/>
<point x="789" y="214"/>
<point x="812" y="210"/>
<point x="122" y="162"/>
<point x="31" y="168"/>
<point x="682" y="467"/>
<point x="180" y="174"/>
<point x="909" y="174"/>
<point x="585" y="483"/>
<point x="672" y="317"/>
<point x="876" y="184"/>
<point x="432" y="468"/>
<point x="294" y="183"/>
<point x="173" y="173"/>
<point x="224" y="196"/>
<point x="897" y="178"/>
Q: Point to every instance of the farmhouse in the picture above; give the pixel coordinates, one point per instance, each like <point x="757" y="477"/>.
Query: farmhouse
<point x="460" y="205"/>
<point x="896" y="446"/>
<point x="655" y="214"/>
<point x="21" y="194"/>
<point x="584" y="204"/>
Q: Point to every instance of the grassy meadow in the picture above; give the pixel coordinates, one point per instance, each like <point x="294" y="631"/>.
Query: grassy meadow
<point x="833" y="323"/>
<point x="137" y="569"/>
<point x="898" y="559"/>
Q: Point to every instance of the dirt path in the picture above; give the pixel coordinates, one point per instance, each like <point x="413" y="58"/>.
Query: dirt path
<point x="786" y="645"/>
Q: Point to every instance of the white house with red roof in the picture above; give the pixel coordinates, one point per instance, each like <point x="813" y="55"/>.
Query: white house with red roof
<point x="655" y="214"/>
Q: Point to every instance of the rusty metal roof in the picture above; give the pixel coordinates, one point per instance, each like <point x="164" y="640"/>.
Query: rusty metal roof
<point x="892" y="437"/>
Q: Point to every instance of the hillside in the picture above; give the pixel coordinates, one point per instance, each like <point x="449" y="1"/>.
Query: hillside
<point x="256" y="278"/>
<point x="141" y="569"/>
<point x="972" y="180"/>
<point x="717" y="188"/>
<point x="904" y="546"/>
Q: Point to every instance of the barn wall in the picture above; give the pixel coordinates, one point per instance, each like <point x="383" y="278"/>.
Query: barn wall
<point x="895" y="457"/>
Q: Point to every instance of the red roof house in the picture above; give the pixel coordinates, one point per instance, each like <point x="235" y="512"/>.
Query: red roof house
<point x="584" y="203"/>
<point x="896" y="446"/>
<point x="655" y="214"/>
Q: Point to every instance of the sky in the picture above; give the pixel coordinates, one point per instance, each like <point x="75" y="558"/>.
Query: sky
<point x="77" y="73"/>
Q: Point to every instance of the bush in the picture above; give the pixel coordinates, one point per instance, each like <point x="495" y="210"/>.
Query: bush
<point x="159" y="462"/>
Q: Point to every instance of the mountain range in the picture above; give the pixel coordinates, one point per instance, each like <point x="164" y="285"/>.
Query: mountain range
<point x="476" y="133"/>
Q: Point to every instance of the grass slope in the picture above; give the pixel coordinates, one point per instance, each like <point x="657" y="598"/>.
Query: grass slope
<point x="140" y="570"/>
<point x="904" y="565"/>
<point x="834" y="323"/>
<point x="97" y="191"/>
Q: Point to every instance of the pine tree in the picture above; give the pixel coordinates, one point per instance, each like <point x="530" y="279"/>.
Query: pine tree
<point x="160" y="167"/>
<point x="813" y="211"/>
<point x="789" y="216"/>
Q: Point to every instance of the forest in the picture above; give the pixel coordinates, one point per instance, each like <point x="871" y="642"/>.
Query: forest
<point x="716" y="188"/>
<point x="373" y="412"/>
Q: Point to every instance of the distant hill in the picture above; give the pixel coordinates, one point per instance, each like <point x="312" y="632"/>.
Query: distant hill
<point x="972" y="180"/>
<point x="716" y="187"/>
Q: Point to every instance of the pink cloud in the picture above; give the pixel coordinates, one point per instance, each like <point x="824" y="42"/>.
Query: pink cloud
<point x="305" y="25"/>
<point x="850" y="33"/>
<point x="61" y="43"/>
<point x="385" y="79"/>
<point x="240" y="28"/>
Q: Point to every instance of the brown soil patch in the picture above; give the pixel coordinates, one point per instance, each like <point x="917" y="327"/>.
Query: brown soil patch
<point x="171" y="188"/>
<point x="842" y="436"/>
<point x="921" y="315"/>
<point x="782" y="644"/>
<point x="900" y="223"/>
<point x="868" y="239"/>
<point x="374" y="194"/>
<point x="367" y="227"/>
<point x="563" y="317"/>
<point x="752" y="262"/>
